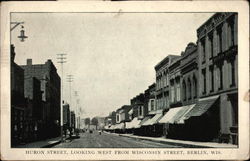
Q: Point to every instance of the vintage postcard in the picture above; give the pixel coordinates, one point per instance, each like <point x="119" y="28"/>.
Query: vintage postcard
<point x="124" y="80"/>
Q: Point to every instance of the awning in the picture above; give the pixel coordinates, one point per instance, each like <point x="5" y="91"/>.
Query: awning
<point x="153" y="120"/>
<point x="181" y="114"/>
<point x="109" y="127"/>
<point x="119" y="126"/>
<point x="145" y="119"/>
<point x="130" y="111"/>
<point x="168" y="117"/>
<point x="121" y="111"/>
<point x="112" y="127"/>
<point x="135" y="123"/>
<point x="201" y="107"/>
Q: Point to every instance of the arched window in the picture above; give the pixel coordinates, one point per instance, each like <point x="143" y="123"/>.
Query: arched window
<point x="194" y="87"/>
<point x="184" y="96"/>
<point x="189" y="89"/>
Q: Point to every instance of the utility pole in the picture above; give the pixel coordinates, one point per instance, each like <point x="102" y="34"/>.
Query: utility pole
<point x="77" y="112"/>
<point x="61" y="59"/>
<point x="69" y="80"/>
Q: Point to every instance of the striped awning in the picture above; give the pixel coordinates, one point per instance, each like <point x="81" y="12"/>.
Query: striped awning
<point x="135" y="123"/>
<point x="201" y="107"/>
<point x="175" y="114"/>
<point x="153" y="120"/>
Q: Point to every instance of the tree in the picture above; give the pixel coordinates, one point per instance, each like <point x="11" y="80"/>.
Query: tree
<point x="87" y="121"/>
<point x="94" y="121"/>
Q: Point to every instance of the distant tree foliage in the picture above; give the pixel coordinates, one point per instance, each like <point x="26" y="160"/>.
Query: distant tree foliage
<point x="87" y="121"/>
<point x="94" y="121"/>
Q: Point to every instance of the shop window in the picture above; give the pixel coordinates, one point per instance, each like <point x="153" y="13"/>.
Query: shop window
<point x="234" y="105"/>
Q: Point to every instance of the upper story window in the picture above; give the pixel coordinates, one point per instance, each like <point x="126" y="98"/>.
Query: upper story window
<point x="233" y="72"/>
<point x="220" y="73"/>
<point x="231" y="30"/>
<point x="140" y="110"/>
<point x="211" y="45"/>
<point x="178" y="90"/>
<point x="211" y="73"/>
<point x="189" y="89"/>
<point x="204" y="80"/>
<point x="219" y="33"/>
<point x="117" y="118"/>
<point x="152" y="104"/>
<point x="184" y="90"/>
<point x="172" y="91"/>
<point x="167" y="79"/>
<point x="203" y="47"/>
<point x="195" y="87"/>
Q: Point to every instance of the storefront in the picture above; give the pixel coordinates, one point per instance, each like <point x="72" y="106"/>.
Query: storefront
<point x="132" y="125"/>
<point x="150" y="126"/>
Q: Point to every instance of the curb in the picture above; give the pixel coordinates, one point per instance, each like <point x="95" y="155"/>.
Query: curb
<point x="51" y="145"/>
<point x="168" y="142"/>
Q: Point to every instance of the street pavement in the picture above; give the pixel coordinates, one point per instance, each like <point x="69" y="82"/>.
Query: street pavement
<point x="106" y="140"/>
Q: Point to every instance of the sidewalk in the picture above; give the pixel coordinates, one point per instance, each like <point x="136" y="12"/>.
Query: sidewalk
<point x="184" y="143"/>
<point x="41" y="144"/>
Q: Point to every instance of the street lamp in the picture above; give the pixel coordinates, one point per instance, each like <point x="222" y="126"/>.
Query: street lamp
<point x="22" y="36"/>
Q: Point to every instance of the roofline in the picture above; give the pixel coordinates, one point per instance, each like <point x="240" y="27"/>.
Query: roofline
<point x="207" y="20"/>
<point x="170" y="55"/>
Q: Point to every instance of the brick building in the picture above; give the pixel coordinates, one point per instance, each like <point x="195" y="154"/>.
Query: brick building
<point x="162" y="83"/>
<point x="50" y="86"/>
<point x="122" y="116"/>
<point x="189" y="73"/>
<point x="149" y="101"/>
<point x="34" y="113"/>
<point x="137" y="104"/>
<point x="175" y="83"/>
<point x="18" y="104"/>
<point x="218" y="69"/>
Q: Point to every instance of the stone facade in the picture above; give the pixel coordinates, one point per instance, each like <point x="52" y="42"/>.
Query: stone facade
<point x="137" y="103"/>
<point x="162" y="82"/>
<point x="218" y="68"/>
<point x="189" y="73"/>
<point x="149" y="101"/>
<point x="175" y="83"/>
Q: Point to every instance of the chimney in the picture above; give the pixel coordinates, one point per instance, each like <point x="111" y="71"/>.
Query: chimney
<point x="29" y="61"/>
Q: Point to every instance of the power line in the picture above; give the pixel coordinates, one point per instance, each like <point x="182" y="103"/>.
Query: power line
<point x="61" y="59"/>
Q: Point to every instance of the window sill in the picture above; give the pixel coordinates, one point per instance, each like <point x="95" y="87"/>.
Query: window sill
<point x="233" y="85"/>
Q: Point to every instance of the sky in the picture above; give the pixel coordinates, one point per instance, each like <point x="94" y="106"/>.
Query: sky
<point x="111" y="56"/>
